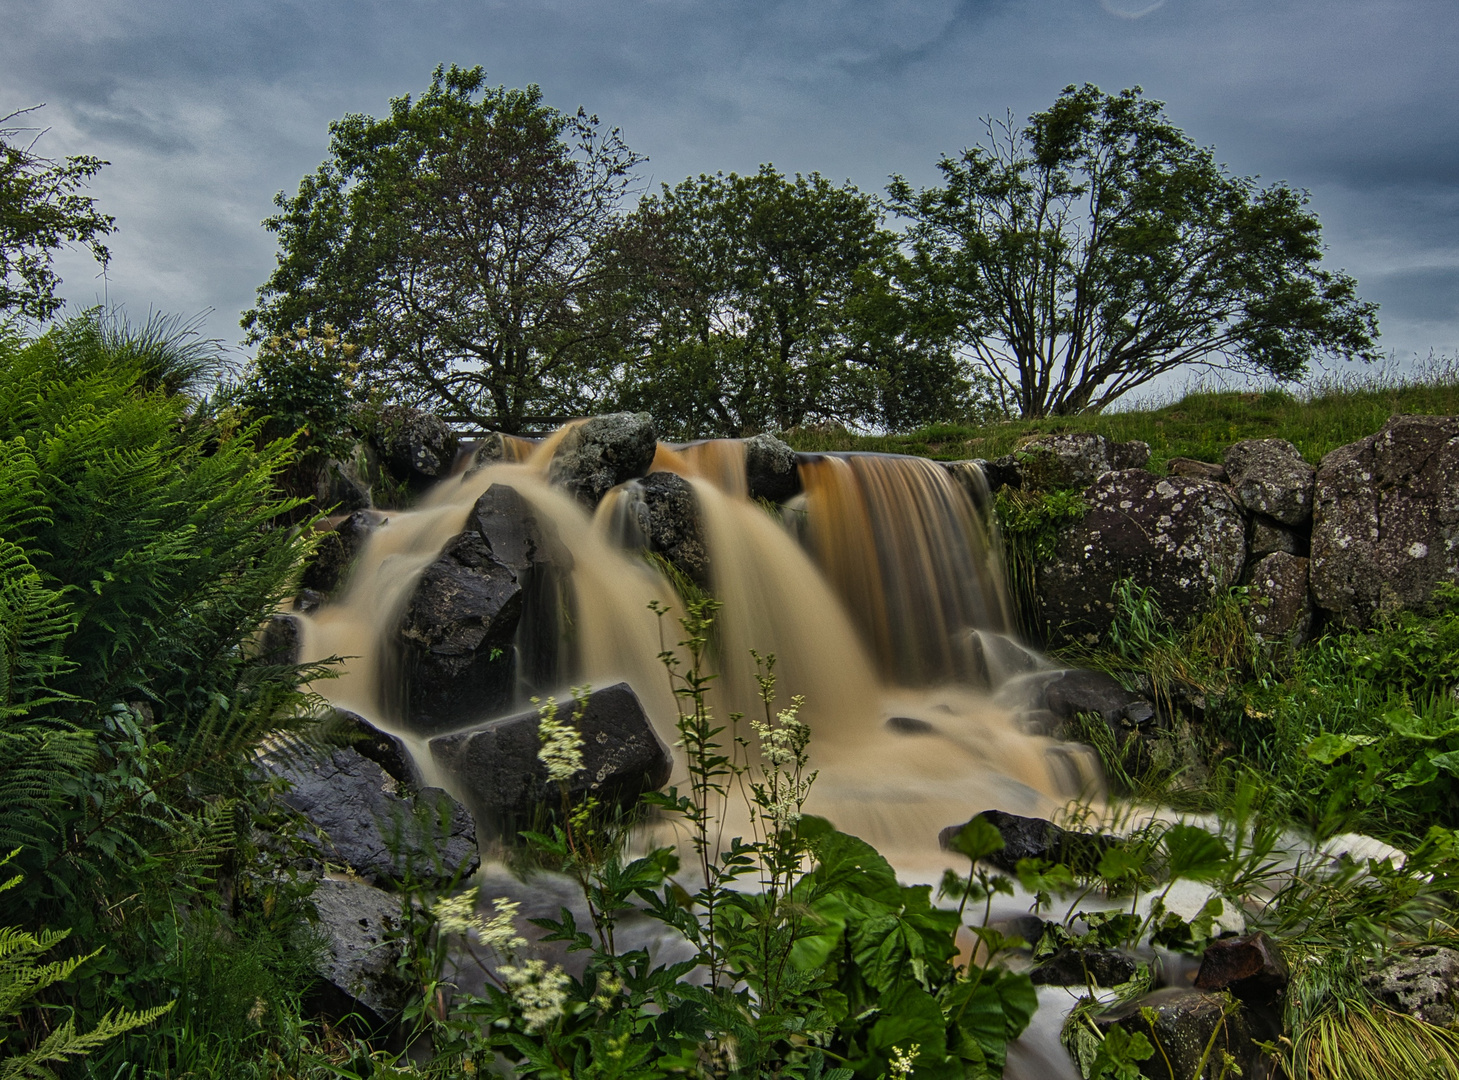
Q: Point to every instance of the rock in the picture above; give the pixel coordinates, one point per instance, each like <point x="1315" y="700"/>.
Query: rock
<point x="990" y="659"/>
<point x="1268" y="536"/>
<point x="972" y="477"/>
<point x="1028" y="927"/>
<point x="770" y="469"/>
<point x="359" y="968"/>
<point x="1182" y="538"/>
<point x="1073" y="459"/>
<point x="278" y="641"/>
<point x="1422" y="982"/>
<point x="342" y="486"/>
<point x="602" y="453"/>
<point x="456" y="636"/>
<point x="1270" y="477"/>
<point x="1084" y="967"/>
<point x="1385" y="527"/>
<point x="1034" y="838"/>
<point x="1006" y="471"/>
<point x="1279" y="604"/>
<point x="910" y="725"/>
<point x="1073" y="692"/>
<point x="1251" y="967"/>
<point x="383" y="834"/>
<point x="1186" y="1022"/>
<point x="416" y="446"/>
<point x="495" y="448"/>
<point x="497" y="767"/>
<point x="385" y="750"/>
<point x="673" y="525"/>
<point x="307" y="600"/>
<point x="1134" y="454"/>
<point x="337" y="550"/>
<point x="1200" y="470"/>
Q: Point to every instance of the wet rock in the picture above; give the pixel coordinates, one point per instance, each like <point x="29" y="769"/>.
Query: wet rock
<point x="673" y="525"/>
<point x="1270" y="477"/>
<point x="770" y="469"/>
<point x="381" y="832"/>
<point x="1028" y="927"/>
<point x="1074" y="692"/>
<point x="1186" y="1022"/>
<point x="1076" y="459"/>
<point x="278" y="641"/>
<point x="1422" y="982"/>
<point x="416" y="446"/>
<point x="1034" y="838"/>
<point x="972" y="477"/>
<point x="910" y="725"/>
<point x="1385" y="528"/>
<point x="456" y="636"/>
<point x="1182" y="538"/>
<point x="337" y="550"/>
<point x="1006" y="471"/>
<point x="359" y="970"/>
<point x="385" y="750"/>
<point x="497" y="767"/>
<point x="344" y="486"/>
<point x="602" y="453"/>
<point x="1268" y="536"/>
<point x="1251" y="967"/>
<point x="990" y="659"/>
<point x="1279" y="603"/>
<point x="1200" y="470"/>
<point x="1084" y="967"/>
<point x="307" y="600"/>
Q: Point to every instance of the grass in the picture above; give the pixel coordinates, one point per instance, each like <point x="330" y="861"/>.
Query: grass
<point x="1201" y="424"/>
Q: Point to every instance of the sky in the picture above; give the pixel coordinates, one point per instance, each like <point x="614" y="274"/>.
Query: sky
<point x="206" y="110"/>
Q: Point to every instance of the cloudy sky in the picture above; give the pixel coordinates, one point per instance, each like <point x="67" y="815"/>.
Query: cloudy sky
<point x="206" y="109"/>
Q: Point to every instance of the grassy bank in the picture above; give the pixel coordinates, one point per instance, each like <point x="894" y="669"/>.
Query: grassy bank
<point x="1201" y="424"/>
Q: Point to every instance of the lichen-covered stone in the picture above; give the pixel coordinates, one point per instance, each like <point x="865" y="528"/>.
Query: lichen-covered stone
<point x="1270" y="477"/>
<point x="1201" y="470"/>
<point x="1182" y="538"/>
<point x="1422" y="982"/>
<point x="1279" y="602"/>
<point x="673" y="525"/>
<point x="1076" y="458"/>
<point x="1386" y="521"/>
<point x="1268" y="536"/>
<point x="603" y="452"/>
<point x="417" y="447"/>
<point x="771" y="469"/>
<point x="1185" y="1023"/>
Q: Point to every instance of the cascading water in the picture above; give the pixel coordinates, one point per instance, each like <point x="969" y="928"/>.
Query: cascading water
<point x="889" y="605"/>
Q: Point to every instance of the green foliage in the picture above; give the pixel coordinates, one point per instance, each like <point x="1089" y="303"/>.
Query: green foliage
<point x="306" y="384"/>
<point x="42" y="208"/>
<point x="1029" y="523"/>
<point x="1083" y="255"/>
<point x="459" y="242"/>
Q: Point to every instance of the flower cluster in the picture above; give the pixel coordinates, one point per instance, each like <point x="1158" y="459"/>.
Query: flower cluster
<point x="538" y="990"/>
<point x="783" y="743"/>
<point x="458" y="915"/>
<point x="562" y="744"/>
<point x="903" y="1060"/>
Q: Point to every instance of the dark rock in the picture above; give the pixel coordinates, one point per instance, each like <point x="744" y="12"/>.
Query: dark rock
<point x="1186" y="1022"/>
<point x="344" y="486"/>
<point x="278" y="641"/>
<point x="910" y="725"/>
<point x="1200" y="470"/>
<point x="1084" y="967"/>
<point x="603" y="452"/>
<point x="1006" y="471"/>
<point x="1422" y="982"/>
<point x="672" y="524"/>
<point x="383" y="834"/>
<point x="1028" y="927"/>
<point x="360" y="968"/>
<point x="1268" y="536"/>
<point x="385" y="750"/>
<point x="1073" y="692"/>
<point x="1386" y="525"/>
<point x="337" y="550"/>
<point x="307" y="600"/>
<point x="496" y="765"/>
<point x="1034" y="838"/>
<point x="991" y="659"/>
<point x="770" y="469"/>
<point x="494" y="449"/>
<point x="1251" y="967"/>
<point x="972" y="477"/>
<point x="1279" y="603"/>
<point x="1270" y="477"/>
<point x="1134" y="454"/>
<point x="417" y="447"/>
<point x="456" y="636"/>
<point x="1184" y="539"/>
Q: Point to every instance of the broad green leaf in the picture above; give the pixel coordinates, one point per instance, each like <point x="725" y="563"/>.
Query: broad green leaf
<point x="1423" y="771"/>
<point x="1448" y="762"/>
<point x="1328" y="747"/>
<point x="1404" y="721"/>
<point x="1123" y="863"/>
<point x="977" y="839"/>
<point x="1193" y="853"/>
<point x="989" y="1014"/>
<point x="911" y="1015"/>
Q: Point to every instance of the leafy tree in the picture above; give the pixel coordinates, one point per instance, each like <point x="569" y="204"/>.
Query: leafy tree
<point x="42" y="209"/>
<point x="456" y="241"/>
<point x="760" y="302"/>
<point x="1082" y="255"/>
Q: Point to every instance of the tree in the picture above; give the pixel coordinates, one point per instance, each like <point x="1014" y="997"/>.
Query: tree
<point x="42" y="209"/>
<point x="1081" y="256"/>
<point x="768" y="303"/>
<point x="456" y="241"/>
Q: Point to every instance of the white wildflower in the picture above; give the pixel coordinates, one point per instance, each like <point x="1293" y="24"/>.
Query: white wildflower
<point x="562" y="744"/>
<point x="539" y="991"/>
<point x="902" y="1061"/>
<point x="458" y="915"/>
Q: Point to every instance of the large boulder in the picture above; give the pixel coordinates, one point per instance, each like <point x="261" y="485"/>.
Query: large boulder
<point x="603" y="452"/>
<point x="416" y="446"/>
<point x="1268" y="536"/>
<point x="1180" y="537"/>
<point x="771" y="470"/>
<point x="1084" y="967"/>
<point x="1422" y="982"/>
<point x="360" y="966"/>
<point x="380" y="830"/>
<point x="1270" y="477"/>
<point x="336" y="552"/>
<point x="1277" y="592"/>
<point x="672" y="524"/>
<point x="496" y="765"/>
<point x="1385" y="527"/>
<point x="1034" y="838"/>
<point x="1184" y="1025"/>
<point x="343" y="485"/>
<point x="1076" y="459"/>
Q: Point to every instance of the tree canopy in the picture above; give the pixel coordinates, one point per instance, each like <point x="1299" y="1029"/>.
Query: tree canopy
<point x="1078" y="257"/>
<point x="456" y="241"/>
<point x="42" y="208"/>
